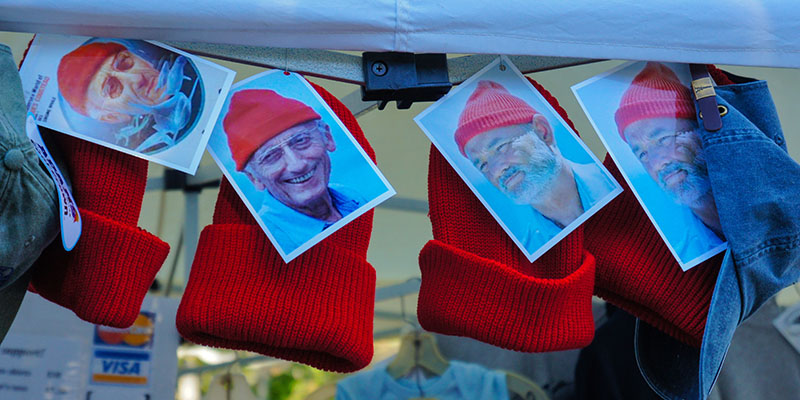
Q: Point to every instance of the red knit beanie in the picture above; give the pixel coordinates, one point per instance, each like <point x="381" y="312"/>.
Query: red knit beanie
<point x="77" y="68"/>
<point x="489" y="107"/>
<point x="106" y="275"/>
<point x="257" y="115"/>
<point x="317" y="309"/>
<point x="655" y="92"/>
<point x="477" y="283"/>
<point x="637" y="272"/>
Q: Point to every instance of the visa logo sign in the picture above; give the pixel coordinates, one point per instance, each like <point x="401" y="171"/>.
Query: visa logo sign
<point x="121" y="367"/>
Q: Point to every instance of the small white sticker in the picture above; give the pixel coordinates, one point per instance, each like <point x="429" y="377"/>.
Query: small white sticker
<point x="71" y="223"/>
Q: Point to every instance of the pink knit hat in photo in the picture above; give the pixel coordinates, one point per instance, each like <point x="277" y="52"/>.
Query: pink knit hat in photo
<point x="489" y="107"/>
<point x="655" y="92"/>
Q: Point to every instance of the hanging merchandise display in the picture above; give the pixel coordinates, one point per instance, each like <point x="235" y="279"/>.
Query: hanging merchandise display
<point x="461" y="381"/>
<point x="642" y="111"/>
<point x="518" y="156"/>
<point x="30" y="210"/>
<point x="296" y="167"/>
<point x="746" y="159"/>
<point x="419" y="371"/>
<point x="141" y="98"/>
<point x="476" y="282"/>
<point x="106" y="276"/>
<point x="637" y="272"/>
<point x="317" y="309"/>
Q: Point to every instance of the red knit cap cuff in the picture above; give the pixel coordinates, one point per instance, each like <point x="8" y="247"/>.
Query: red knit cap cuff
<point x="106" y="275"/>
<point x="316" y="310"/>
<point x="692" y="334"/>
<point x="466" y="295"/>
<point x="671" y="300"/>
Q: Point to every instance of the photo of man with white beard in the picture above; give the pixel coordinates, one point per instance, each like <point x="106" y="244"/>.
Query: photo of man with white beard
<point x="522" y="160"/>
<point x="513" y="146"/>
<point x="645" y="114"/>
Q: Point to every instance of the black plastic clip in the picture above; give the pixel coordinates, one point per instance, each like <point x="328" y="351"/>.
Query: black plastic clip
<point x="404" y="77"/>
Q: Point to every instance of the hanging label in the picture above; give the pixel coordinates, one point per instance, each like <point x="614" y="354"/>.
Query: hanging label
<point x="71" y="224"/>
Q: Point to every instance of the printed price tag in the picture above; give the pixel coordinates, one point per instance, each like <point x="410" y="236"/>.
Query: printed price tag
<point x="71" y="223"/>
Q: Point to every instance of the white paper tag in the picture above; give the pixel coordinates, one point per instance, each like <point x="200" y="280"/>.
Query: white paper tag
<point x="71" y="223"/>
<point x="788" y="324"/>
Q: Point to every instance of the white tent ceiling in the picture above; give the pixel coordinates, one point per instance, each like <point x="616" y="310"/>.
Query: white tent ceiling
<point x="741" y="32"/>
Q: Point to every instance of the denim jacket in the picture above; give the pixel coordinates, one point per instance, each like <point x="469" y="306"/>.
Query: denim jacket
<point x="756" y="187"/>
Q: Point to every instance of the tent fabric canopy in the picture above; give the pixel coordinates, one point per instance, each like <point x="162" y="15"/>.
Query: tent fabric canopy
<point x="747" y="32"/>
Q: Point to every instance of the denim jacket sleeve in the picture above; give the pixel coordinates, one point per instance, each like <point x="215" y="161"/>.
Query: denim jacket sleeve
<point x="756" y="186"/>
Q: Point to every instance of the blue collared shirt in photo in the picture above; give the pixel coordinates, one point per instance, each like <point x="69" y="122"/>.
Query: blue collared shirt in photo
<point x="695" y="239"/>
<point x="291" y="229"/>
<point x="534" y="229"/>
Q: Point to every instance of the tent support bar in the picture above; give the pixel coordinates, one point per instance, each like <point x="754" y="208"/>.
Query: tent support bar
<point x="345" y="67"/>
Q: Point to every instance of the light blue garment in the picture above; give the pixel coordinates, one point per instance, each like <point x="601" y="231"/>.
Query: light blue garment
<point x="695" y="239"/>
<point x="291" y="229"/>
<point x="755" y="185"/>
<point x="534" y="229"/>
<point x="461" y="381"/>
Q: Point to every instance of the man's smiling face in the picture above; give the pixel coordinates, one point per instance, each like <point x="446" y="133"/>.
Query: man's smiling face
<point x="294" y="166"/>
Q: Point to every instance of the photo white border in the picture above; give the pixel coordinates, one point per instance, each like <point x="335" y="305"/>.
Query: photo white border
<point x="287" y="257"/>
<point x="203" y="131"/>
<point x="532" y="256"/>
<point x="685" y="266"/>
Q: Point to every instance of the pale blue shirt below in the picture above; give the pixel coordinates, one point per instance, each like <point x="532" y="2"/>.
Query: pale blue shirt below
<point x="534" y="229"/>
<point x="694" y="239"/>
<point x="461" y="381"/>
<point x="291" y="229"/>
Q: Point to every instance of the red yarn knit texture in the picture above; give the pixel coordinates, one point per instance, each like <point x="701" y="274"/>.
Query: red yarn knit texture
<point x="316" y="310"/>
<point x="105" y="277"/>
<point x="637" y="272"/>
<point x="477" y="283"/>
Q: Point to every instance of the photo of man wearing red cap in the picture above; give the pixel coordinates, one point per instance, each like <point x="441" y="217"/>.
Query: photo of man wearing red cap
<point x="650" y="127"/>
<point x="145" y="96"/>
<point x="290" y="161"/>
<point x="509" y="137"/>
<point x="137" y="97"/>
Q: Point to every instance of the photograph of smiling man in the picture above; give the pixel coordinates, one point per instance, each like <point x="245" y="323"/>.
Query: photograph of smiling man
<point x="518" y="156"/>
<point x="291" y="160"/>
<point x="644" y="112"/>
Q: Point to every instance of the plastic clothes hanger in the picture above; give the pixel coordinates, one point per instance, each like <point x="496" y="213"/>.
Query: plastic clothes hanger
<point x="229" y="386"/>
<point x="418" y="350"/>
<point x="520" y="388"/>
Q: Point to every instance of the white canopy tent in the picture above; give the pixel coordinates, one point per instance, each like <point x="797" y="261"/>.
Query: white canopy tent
<point x="743" y="32"/>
